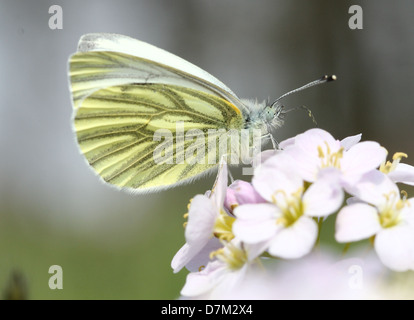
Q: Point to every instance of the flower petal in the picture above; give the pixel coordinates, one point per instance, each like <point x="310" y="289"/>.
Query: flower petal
<point x="314" y="138"/>
<point x="322" y="198"/>
<point x="202" y="257"/>
<point x="363" y="157"/>
<point x="181" y="258"/>
<point x="295" y="241"/>
<point x="305" y="154"/>
<point x="403" y="173"/>
<point x="255" y="222"/>
<point x="287" y="143"/>
<point x="274" y="175"/>
<point x="219" y="189"/>
<point x="198" y="283"/>
<point x="372" y="187"/>
<point x="201" y="218"/>
<point x="241" y="192"/>
<point x="348" y="142"/>
<point x="407" y="213"/>
<point x="395" y="247"/>
<point x="356" y="222"/>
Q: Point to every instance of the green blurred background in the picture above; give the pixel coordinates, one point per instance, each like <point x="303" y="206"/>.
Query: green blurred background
<point x="113" y="245"/>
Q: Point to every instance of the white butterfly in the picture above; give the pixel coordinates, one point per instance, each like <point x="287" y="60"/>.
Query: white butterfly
<point x="125" y="91"/>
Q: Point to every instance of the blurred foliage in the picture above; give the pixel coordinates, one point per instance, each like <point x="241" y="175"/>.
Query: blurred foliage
<point x="139" y="269"/>
<point x="16" y="288"/>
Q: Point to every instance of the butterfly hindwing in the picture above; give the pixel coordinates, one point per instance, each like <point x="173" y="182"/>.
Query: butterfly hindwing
<point x="115" y="129"/>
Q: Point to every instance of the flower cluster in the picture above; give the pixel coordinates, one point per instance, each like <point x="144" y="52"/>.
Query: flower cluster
<point x="232" y="229"/>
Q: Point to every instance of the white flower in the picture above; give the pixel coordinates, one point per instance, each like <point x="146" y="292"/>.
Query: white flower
<point x="222" y="275"/>
<point x="380" y="212"/>
<point x="315" y="150"/>
<point x="398" y="172"/>
<point x="286" y="223"/>
<point x="206" y="219"/>
<point x="318" y="276"/>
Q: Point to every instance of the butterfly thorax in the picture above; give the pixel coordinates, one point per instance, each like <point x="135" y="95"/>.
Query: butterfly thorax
<point x="263" y="116"/>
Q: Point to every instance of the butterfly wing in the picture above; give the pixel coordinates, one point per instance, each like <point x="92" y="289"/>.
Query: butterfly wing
<point x="105" y="59"/>
<point x="121" y="100"/>
<point x="115" y="128"/>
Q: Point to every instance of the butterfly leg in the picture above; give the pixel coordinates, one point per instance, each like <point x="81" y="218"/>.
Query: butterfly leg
<point x="274" y="142"/>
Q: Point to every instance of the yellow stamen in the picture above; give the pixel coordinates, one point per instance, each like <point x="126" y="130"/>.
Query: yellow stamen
<point x="233" y="256"/>
<point x="390" y="215"/>
<point x="223" y="226"/>
<point x="399" y="156"/>
<point x="389" y="166"/>
<point x="320" y="152"/>
<point x="292" y="207"/>
<point x="330" y="159"/>
<point x="213" y="254"/>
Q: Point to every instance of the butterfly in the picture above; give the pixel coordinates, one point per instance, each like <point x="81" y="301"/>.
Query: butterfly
<point x="128" y="96"/>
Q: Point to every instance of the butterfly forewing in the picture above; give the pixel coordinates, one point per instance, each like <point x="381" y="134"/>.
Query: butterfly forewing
<point x="91" y="71"/>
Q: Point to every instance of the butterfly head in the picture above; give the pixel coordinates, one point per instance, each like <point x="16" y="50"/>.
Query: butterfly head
<point x="273" y="115"/>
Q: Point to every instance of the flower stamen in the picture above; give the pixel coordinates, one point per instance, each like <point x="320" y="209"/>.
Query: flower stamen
<point x="389" y="166"/>
<point x="330" y="159"/>
<point x="292" y="207"/>
<point x="234" y="257"/>
<point x="223" y="226"/>
<point x="390" y="215"/>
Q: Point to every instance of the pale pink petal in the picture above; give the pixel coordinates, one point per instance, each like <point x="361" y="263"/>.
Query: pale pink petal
<point x="228" y="283"/>
<point x="181" y="258"/>
<point x="407" y="213"/>
<point x="259" y="211"/>
<point x="295" y="241"/>
<point x="348" y="142"/>
<point x="372" y="187"/>
<point x="305" y="165"/>
<point x="322" y="198"/>
<point x="312" y="139"/>
<point x="363" y="157"/>
<point x="255" y="223"/>
<point x="201" y="219"/>
<point x="254" y="250"/>
<point x="275" y="175"/>
<point x="395" y="247"/>
<point x="356" y="222"/>
<point x="241" y="192"/>
<point x="287" y="143"/>
<point x="199" y="283"/>
<point x="192" y="257"/>
<point x="218" y="192"/>
<point x="305" y="154"/>
<point x="403" y="173"/>
<point x="202" y="258"/>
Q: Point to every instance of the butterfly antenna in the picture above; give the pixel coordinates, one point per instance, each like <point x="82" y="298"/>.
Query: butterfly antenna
<point x="305" y="108"/>
<point x="324" y="79"/>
